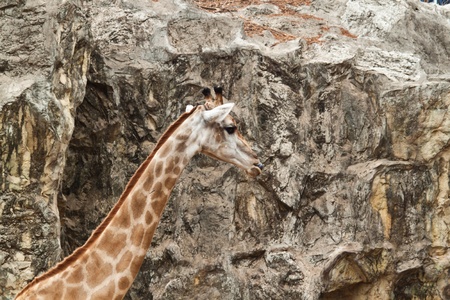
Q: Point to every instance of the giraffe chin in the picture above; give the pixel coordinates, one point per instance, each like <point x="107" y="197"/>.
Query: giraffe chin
<point x="253" y="171"/>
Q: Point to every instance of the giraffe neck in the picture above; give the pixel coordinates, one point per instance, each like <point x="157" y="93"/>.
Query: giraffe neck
<point x="120" y="250"/>
<point x="105" y="267"/>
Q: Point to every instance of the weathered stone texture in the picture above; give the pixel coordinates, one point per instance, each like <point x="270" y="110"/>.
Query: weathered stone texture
<point x="346" y="103"/>
<point x="44" y="53"/>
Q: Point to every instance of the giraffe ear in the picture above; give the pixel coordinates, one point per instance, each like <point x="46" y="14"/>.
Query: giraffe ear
<point x="218" y="114"/>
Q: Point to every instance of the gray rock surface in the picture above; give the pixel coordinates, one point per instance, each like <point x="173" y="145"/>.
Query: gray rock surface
<point x="346" y="103"/>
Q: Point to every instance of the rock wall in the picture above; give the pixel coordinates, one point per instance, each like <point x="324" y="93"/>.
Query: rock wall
<point x="346" y="103"/>
<point x="44" y="58"/>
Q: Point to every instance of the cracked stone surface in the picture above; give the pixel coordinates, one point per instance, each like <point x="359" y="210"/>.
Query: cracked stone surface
<point x="345" y="102"/>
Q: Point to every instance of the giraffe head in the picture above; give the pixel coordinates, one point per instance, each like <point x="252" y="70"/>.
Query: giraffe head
<point x="221" y="138"/>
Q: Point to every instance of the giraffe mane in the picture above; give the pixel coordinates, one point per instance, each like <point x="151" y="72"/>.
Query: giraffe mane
<point x="61" y="266"/>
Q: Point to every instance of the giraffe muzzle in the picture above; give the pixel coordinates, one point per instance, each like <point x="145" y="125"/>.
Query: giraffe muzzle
<point x="259" y="165"/>
<point x="255" y="170"/>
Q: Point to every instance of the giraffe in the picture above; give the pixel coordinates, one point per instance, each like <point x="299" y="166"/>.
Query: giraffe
<point x="107" y="264"/>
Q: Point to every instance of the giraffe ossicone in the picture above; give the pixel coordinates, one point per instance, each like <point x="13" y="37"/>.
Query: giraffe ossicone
<point x="107" y="264"/>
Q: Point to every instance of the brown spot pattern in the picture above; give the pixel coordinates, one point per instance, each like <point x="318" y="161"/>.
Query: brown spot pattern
<point x="97" y="270"/>
<point x="148" y="184"/>
<point x="123" y="218"/>
<point x="165" y="150"/>
<point x="124" y="283"/>
<point x="177" y="170"/>
<point x="148" y="236"/>
<point x="157" y="187"/>
<point x="169" y="167"/>
<point x="82" y="260"/>
<point x="163" y="195"/>
<point x="76" y="275"/>
<point x="75" y="293"/>
<point x="158" y="205"/>
<point x="158" y="192"/>
<point x="137" y="235"/>
<point x="158" y="169"/>
<point x="105" y="293"/>
<point x="136" y="264"/>
<point x="124" y="261"/>
<point x="180" y="147"/>
<point x="183" y="136"/>
<point x="138" y="203"/>
<point x="65" y="274"/>
<point x="55" y="290"/>
<point x="148" y="218"/>
<point x="170" y="182"/>
<point x="112" y="242"/>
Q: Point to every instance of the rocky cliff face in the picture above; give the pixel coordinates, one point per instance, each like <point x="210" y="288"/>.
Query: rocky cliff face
<point x="346" y="103"/>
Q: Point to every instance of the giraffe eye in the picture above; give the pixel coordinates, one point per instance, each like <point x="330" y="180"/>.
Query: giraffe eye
<point x="230" y="129"/>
